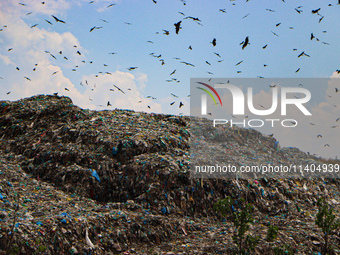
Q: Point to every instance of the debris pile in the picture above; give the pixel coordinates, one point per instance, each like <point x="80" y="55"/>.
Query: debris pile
<point x="75" y="180"/>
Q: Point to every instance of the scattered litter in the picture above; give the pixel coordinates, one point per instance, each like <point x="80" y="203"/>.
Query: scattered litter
<point x="118" y="182"/>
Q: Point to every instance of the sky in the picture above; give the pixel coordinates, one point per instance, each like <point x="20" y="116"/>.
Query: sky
<point x="39" y="55"/>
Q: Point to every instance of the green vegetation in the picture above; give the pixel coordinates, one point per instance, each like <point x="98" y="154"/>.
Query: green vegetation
<point x="272" y="233"/>
<point x="284" y="250"/>
<point x="241" y="215"/>
<point x="325" y="219"/>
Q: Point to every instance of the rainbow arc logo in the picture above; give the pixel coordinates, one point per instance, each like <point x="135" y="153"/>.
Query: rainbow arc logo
<point x="209" y="93"/>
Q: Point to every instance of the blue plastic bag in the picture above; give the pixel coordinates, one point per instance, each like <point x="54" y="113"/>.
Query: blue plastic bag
<point x="95" y="175"/>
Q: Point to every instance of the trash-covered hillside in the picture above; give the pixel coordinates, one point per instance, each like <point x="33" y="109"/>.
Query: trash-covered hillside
<point x="118" y="182"/>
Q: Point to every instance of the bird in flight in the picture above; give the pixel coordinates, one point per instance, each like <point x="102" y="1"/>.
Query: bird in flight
<point x="188" y="64"/>
<point x="218" y="55"/>
<point x="119" y="89"/>
<point x="173" y="72"/>
<point x="93" y="28"/>
<point x="312" y="36"/>
<point x="178" y="26"/>
<point x="132" y="68"/>
<point x="245" y="16"/>
<point x="245" y="43"/>
<point x="214" y="42"/>
<point x="303" y="54"/>
<point x="239" y="63"/>
<point x="193" y="18"/>
<point x="316" y="11"/>
<point x="58" y="20"/>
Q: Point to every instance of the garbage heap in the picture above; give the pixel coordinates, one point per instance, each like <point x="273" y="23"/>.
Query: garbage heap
<point x="124" y="177"/>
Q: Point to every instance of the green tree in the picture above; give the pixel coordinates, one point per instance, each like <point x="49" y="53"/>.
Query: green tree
<point x="272" y="233"/>
<point x="241" y="216"/>
<point x="325" y="219"/>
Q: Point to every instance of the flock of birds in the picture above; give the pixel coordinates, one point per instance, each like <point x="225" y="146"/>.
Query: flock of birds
<point x="177" y="27"/>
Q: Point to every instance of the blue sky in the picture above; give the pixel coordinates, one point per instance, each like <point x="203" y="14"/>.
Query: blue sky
<point x="130" y="43"/>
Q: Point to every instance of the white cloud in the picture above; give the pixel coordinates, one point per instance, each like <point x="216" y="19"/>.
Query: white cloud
<point x="35" y="6"/>
<point x="6" y="60"/>
<point x="29" y="46"/>
<point x="98" y="89"/>
<point x="29" y="54"/>
<point x="104" y="4"/>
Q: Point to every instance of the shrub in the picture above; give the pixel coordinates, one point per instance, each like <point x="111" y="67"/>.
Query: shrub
<point x="325" y="219"/>
<point x="284" y="250"/>
<point x="272" y="233"/>
<point x="241" y="217"/>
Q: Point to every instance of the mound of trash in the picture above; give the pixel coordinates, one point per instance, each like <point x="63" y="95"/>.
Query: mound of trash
<point x="123" y="177"/>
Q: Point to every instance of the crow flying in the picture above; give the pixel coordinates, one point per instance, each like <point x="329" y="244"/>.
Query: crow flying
<point x="58" y="20"/>
<point x="119" y="89"/>
<point x="178" y="26"/>
<point x="245" y="43"/>
<point x="316" y="11"/>
<point x="188" y="64"/>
